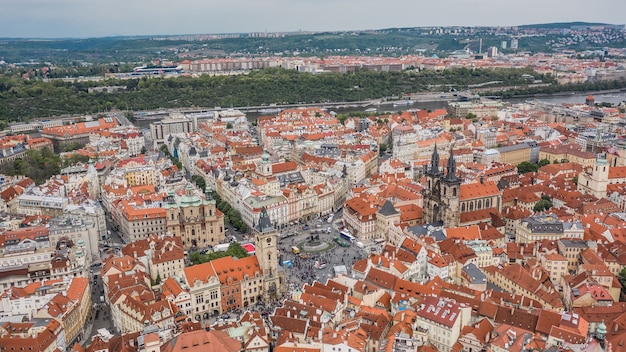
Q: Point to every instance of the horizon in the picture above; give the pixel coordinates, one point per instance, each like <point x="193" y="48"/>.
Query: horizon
<point x="307" y="31"/>
<point x="78" y="19"/>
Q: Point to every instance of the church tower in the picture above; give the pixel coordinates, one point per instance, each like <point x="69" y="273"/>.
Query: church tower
<point x="596" y="182"/>
<point x="450" y="194"/>
<point x="93" y="181"/>
<point x="266" y="241"/>
<point x="432" y="208"/>
<point x="265" y="167"/>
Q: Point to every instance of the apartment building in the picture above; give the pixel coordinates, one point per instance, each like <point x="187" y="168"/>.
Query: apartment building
<point x="174" y="123"/>
<point x="241" y="281"/>
<point x="167" y="258"/>
<point x="547" y="227"/>
<point x="138" y="221"/>
<point x="443" y="319"/>
<point x="173" y="290"/>
<point x="145" y="175"/>
<point x="359" y="215"/>
<point x="70" y="308"/>
<point x="43" y="335"/>
<point x="28" y="256"/>
<point x="528" y="282"/>
<point x="205" y="291"/>
<point x="78" y="133"/>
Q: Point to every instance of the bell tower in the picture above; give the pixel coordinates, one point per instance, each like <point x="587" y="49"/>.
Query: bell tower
<point x="450" y="194"/>
<point x="266" y="241"/>
<point x="432" y="193"/>
<point x="264" y="168"/>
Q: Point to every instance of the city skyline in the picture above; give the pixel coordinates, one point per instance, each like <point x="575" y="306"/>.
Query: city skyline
<point x="81" y="19"/>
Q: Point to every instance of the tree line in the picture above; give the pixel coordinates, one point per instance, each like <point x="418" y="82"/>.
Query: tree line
<point x="21" y="100"/>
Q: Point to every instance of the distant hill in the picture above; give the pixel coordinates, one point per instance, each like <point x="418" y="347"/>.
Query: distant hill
<point x="562" y="25"/>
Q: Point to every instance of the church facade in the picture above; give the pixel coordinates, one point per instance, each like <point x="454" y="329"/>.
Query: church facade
<point x="452" y="203"/>
<point x="442" y="192"/>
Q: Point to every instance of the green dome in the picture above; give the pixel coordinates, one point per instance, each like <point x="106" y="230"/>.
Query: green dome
<point x="266" y="156"/>
<point x="601" y="329"/>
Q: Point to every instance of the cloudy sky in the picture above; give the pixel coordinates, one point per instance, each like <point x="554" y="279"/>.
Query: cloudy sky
<point x="92" y="18"/>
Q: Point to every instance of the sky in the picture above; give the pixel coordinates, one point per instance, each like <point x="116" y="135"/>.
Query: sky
<point x="100" y="18"/>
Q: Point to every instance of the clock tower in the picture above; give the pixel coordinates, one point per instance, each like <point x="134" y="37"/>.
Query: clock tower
<point x="266" y="241"/>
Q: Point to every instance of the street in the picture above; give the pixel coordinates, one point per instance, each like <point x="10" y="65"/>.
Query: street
<point x="101" y="314"/>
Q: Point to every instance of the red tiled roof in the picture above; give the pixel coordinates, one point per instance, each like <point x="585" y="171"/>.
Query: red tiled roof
<point x="478" y="190"/>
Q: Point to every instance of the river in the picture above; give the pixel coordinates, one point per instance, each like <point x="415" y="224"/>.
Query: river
<point x="613" y="98"/>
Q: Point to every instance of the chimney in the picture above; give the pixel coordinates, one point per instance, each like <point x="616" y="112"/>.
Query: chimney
<point x="482" y="179"/>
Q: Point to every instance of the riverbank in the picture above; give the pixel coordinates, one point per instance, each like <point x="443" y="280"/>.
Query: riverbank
<point x="564" y="94"/>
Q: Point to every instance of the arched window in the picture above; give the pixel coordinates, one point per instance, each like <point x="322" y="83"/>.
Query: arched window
<point x="463" y="207"/>
<point x="454" y="191"/>
<point x="479" y="205"/>
<point x="487" y="203"/>
<point x="445" y="190"/>
<point x="471" y="206"/>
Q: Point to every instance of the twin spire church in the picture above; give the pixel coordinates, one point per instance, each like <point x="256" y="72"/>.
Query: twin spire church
<point x="449" y="201"/>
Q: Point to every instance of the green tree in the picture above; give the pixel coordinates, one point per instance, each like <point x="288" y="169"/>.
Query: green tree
<point x="229" y="126"/>
<point x="542" y="205"/>
<point x="199" y="181"/>
<point x="157" y="281"/>
<point x="143" y="150"/>
<point x="236" y="250"/>
<point x="543" y="162"/>
<point x="74" y="159"/>
<point x="526" y="166"/>
<point x="622" y="277"/>
<point x="72" y="146"/>
<point x="575" y="180"/>
<point x="39" y="165"/>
